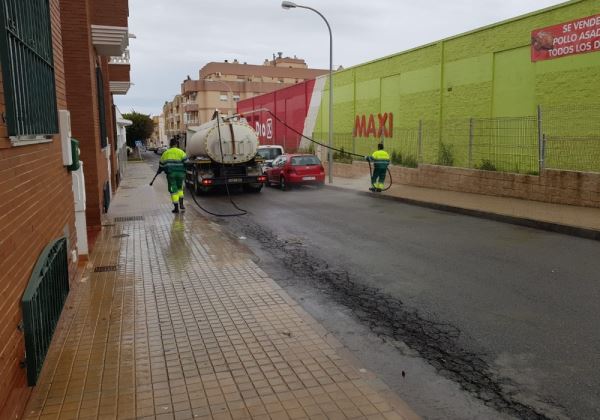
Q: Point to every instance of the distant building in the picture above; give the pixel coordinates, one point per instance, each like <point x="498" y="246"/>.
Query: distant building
<point x="159" y="136"/>
<point x="222" y="85"/>
<point x="173" y="115"/>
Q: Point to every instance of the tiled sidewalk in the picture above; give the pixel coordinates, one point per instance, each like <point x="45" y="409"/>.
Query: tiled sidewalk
<point x="182" y="324"/>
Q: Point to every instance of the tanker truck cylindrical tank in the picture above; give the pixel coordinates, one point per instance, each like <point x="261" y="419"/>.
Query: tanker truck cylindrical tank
<point x="237" y="142"/>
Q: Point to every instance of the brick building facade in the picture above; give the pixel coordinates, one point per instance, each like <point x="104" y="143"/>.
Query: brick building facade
<point x="36" y="187"/>
<point x="87" y="54"/>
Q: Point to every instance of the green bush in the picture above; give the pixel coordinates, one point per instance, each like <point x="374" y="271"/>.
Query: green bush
<point x="445" y="155"/>
<point x="486" y="165"/>
<point x="396" y="158"/>
<point x="342" y="156"/>
<point x="410" y="161"/>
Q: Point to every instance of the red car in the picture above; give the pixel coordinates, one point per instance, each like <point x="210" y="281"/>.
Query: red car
<point x="295" y="169"/>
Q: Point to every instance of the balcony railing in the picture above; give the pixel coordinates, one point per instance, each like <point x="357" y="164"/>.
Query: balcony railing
<point x="123" y="59"/>
<point x="190" y="107"/>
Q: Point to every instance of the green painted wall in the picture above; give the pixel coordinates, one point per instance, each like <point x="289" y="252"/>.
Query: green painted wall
<point x="486" y="73"/>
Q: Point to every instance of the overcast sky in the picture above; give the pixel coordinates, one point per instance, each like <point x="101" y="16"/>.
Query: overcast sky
<point x="175" y="38"/>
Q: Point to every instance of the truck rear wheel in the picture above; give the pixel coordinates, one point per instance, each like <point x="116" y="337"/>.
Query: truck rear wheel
<point x="201" y="190"/>
<point x="253" y="188"/>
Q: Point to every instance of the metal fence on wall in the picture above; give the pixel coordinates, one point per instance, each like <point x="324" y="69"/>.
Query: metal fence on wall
<point x="562" y="137"/>
<point x="571" y="137"/>
<point x="504" y="144"/>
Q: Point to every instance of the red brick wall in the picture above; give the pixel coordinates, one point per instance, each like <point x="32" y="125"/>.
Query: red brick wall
<point x="119" y="72"/>
<point x="552" y="186"/>
<point x="36" y="207"/>
<point x="110" y="12"/>
<point x="80" y="73"/>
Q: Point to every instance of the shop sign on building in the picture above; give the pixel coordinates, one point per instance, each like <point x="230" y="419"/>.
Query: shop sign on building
<point x="264" y="129"/>
<point x="366" y="126"/>
<point x="575" y="37"/>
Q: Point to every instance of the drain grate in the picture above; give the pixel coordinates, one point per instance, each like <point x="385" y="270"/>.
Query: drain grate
<point x="105" y="268"/>
<point x="128" y="219"/>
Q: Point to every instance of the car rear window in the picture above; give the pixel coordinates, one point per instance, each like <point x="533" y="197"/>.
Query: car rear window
<point x="270" y="153"/>
<point x="305" y="161"/>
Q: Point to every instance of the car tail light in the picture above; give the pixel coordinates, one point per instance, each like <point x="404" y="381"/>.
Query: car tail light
<point x="322" y="168"/>
<point x="207" y="182"/>
<point x="262" y="178"/>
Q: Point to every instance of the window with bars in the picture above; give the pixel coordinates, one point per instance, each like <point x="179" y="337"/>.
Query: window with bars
<point x="28" y="69"/>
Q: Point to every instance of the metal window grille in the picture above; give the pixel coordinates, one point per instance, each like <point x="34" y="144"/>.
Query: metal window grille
<point x="42" y="304"/>
<point x="101" y="109"/>
<point x="28" y="68"/>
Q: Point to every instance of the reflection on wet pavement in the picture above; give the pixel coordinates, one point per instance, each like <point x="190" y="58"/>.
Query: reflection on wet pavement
<point x="189" y="327"/>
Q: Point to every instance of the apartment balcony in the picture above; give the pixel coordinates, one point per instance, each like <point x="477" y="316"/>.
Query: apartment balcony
<point x="190" y="86"/>
<point x="121" y="59"/>
<point x="119" y="88"/>
<point x="190" y="108"/>
<point x="110" y="41"/>
<point x="119" y="74"/>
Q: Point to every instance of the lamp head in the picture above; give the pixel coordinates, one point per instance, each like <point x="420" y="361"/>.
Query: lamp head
<point x="288" y="4"/>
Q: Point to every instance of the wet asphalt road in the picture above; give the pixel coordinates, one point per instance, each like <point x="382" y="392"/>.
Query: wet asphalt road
<point x="526" y="300"/>
<point x="518" y="304"/>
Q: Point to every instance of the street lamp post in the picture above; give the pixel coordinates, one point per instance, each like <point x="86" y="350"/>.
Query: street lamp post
<point x="291" y="5"/>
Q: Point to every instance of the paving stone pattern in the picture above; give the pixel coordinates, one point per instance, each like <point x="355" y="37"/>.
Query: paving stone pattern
<point x="188" y="326"/>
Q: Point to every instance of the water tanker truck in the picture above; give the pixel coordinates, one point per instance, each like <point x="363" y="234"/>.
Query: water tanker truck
<point x="223" y="152"/>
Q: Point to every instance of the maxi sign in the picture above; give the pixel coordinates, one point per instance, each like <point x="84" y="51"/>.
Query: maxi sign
<point x="366" y="126"/>
<point x="569" y="38"/>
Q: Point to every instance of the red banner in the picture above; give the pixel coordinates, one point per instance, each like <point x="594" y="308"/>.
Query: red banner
<point x="576" y="37"/>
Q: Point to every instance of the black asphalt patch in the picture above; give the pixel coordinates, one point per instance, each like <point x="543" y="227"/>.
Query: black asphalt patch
<point x="387" y="316"/>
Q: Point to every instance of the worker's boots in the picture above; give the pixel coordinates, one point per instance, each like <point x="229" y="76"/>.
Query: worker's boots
<point x="176" y="208"/>
<point x="181" y="206"/>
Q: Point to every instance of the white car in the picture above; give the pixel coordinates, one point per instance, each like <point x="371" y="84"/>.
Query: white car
<point x="269" y="153"/>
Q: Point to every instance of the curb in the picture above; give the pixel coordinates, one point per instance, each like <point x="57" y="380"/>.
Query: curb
<point x="503" y="218"/>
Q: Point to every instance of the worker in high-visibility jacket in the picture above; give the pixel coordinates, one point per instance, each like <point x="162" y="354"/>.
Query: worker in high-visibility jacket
<point x="172" y="163"/>
<point x="381" y="160"/>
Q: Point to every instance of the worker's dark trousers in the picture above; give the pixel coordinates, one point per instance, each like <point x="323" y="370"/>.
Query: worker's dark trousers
<point x="378" y="177"/>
